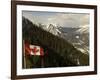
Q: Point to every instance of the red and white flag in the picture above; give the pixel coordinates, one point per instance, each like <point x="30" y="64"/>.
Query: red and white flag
<point x="33" y="49"/>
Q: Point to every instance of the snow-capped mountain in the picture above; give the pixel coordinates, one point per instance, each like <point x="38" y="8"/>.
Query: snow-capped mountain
<point x="77" y="36"/>
<point x="52" y="29"/>
<point x="83" y="29"/>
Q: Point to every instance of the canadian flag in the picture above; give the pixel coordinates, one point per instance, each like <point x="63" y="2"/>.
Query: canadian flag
<point x="33" y="49"/>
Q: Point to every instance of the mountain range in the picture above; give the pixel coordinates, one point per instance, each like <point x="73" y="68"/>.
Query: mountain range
<point x="78" y="36"/>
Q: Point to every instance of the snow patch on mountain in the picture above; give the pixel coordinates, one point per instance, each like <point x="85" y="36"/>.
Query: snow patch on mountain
<point x="52" y="29"/>
<point x="83" y="29"/>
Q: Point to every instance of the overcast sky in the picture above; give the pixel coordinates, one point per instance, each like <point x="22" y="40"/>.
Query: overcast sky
<point x="58" y="18"/>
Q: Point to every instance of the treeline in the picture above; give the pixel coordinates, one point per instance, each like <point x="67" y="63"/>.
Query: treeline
<point x="58" y="52"/>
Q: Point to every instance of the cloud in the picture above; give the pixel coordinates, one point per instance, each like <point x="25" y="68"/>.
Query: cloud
<point x="61" y="19"/>
<point x="69" y="20"/>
